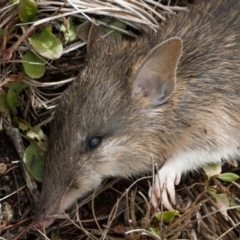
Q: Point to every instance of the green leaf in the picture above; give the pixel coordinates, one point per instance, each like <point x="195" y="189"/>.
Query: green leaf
<point x="155" y="231"/>
<point x="115" y="23"/>
<point x="22" y="126"/>
<point x="33" y="66"/>
<point x="27" y="10"/>
<point x="69" y="31"/>
<point x="12" y="101"/>
<point x="37" y="134"/>
<point x="13" y="1"/>
<point x="46" y="44"/>
<point x="18" y="86"/>
<point x="228" y="177"/>
<point x="212" y="169"/>
<point x="4" y="108"/>
<point x="167" y="216"/>
<point x="34" y="160"/>
<point x="12" y="95"/>
<point x="222" y="201"/>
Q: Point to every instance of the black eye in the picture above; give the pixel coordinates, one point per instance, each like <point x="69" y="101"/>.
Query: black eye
<point x="92" y="143"/>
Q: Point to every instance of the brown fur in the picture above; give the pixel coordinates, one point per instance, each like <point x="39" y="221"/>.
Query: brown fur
<point x="202" y="115"/>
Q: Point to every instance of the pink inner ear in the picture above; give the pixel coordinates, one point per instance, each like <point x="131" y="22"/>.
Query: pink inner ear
<point x="147" y="83"/>
<point x="156" y="77"/>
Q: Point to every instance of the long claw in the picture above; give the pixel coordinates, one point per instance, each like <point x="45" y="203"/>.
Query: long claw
<point x="165" y="200"/>
<point x="153" y="197"/>
<point x="171" y="190"/>
<point x="164" y="187"/>
<point x="177" y="179"/>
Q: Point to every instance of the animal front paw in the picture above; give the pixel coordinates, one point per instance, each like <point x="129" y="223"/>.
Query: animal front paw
<point x="164" y="187"/>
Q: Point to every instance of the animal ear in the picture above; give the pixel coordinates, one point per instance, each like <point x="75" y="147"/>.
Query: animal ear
<point x="83" y="30"/>
<point x="92" y="34"/>
<point x="96" y="36"/>
<point x="156" y="77"/>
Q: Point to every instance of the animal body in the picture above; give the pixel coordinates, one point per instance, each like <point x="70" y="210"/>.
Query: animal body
<point x="172" y="97"/>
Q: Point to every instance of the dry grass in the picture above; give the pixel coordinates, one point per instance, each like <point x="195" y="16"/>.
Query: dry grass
<point x="119" y="209"/>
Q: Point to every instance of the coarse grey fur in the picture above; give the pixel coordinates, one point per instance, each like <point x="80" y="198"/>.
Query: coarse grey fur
<point x="202" y="117"/>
